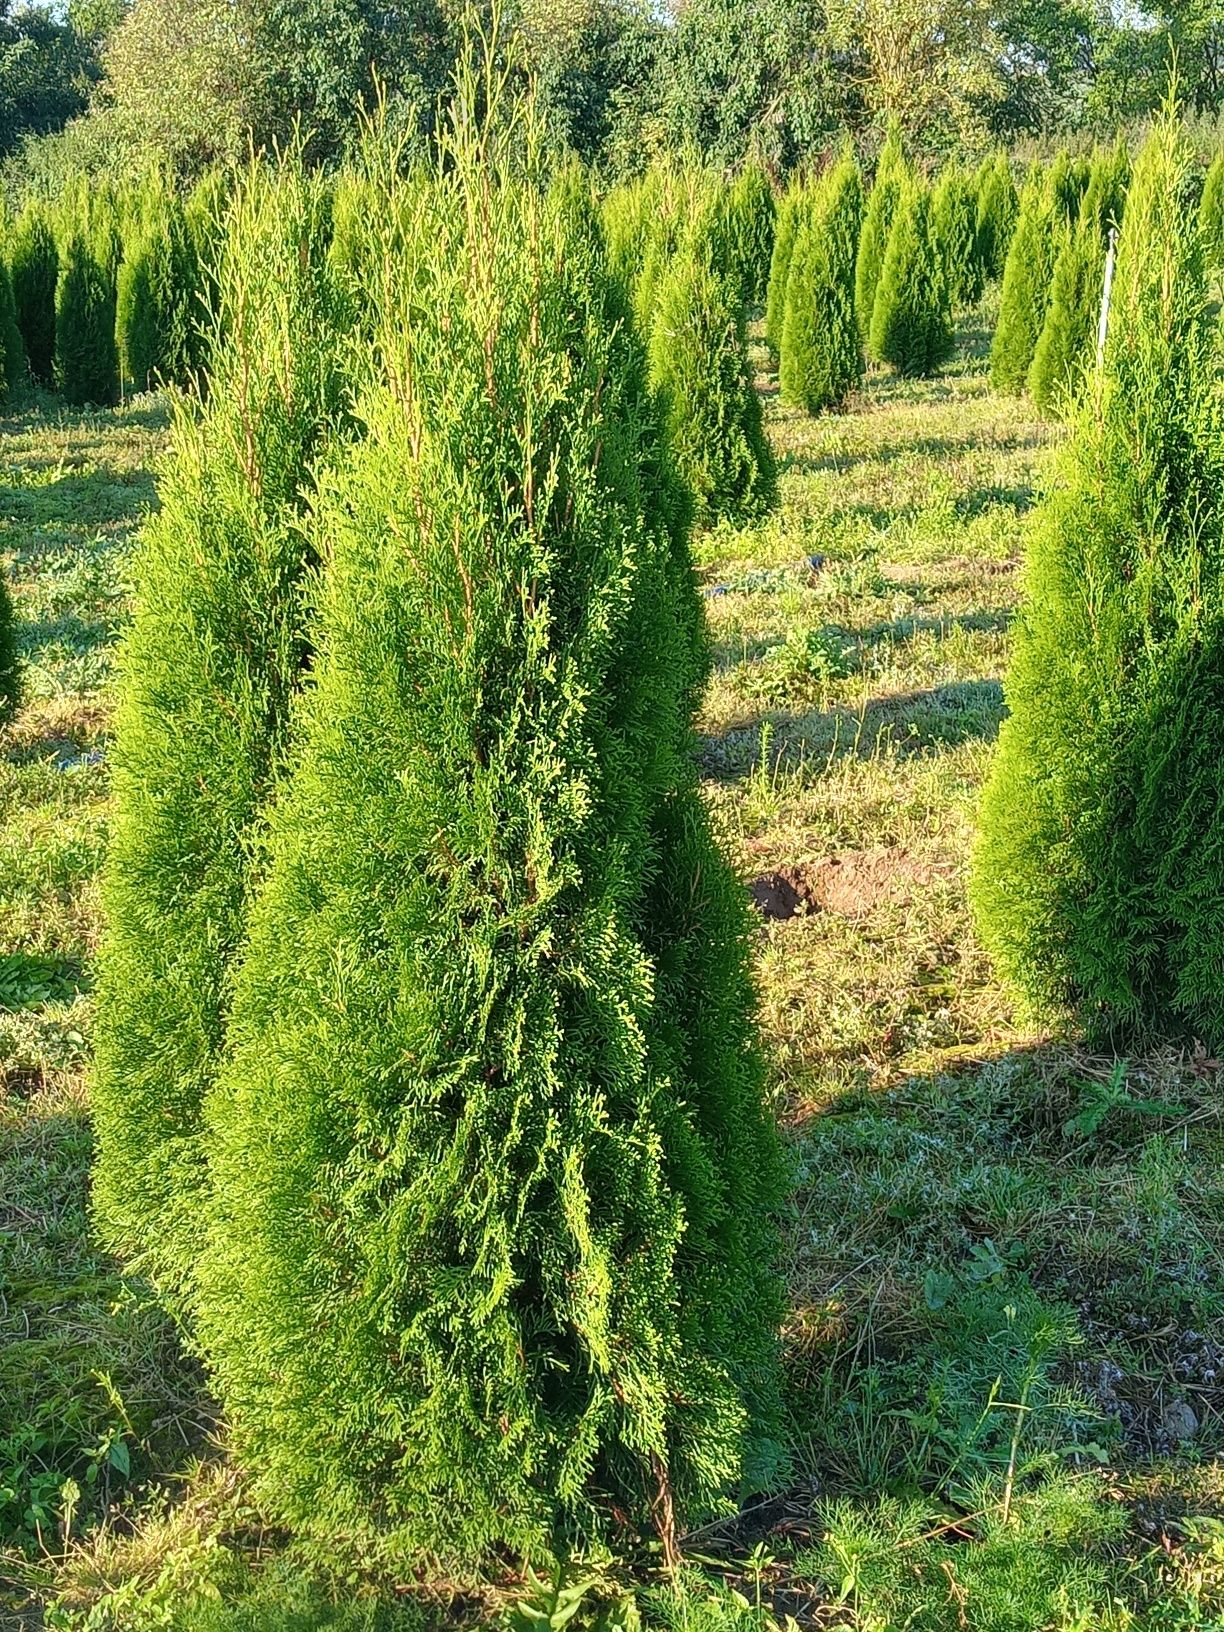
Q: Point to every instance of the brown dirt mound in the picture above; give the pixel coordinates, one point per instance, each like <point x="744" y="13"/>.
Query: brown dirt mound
<point x="851" y="883"/>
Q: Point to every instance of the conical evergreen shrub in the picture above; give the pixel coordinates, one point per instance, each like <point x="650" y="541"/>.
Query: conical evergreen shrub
<point x="14" y="370"/>
<point x="786" y="227"/>
<point x="86" y="359"/>
<point x="1096" y="881"/>
<point x="912" y="326"/>
<point x="1068" y="334"/>
<point x="34" y="268"/>
<point x="997" y="210"/>
<point x="491" y="1261"/>
<point x="1211" y="214"/>
<point x="1026" y="290"/>
<point x="745" y="232"/>
<point x="822" y="355"/>
<point x="158" y="308"/>
<point x="1104" y="200"/>
<point x="712" y="414"/>
<point x="954" y="223"/>
<point x="10" y="663"/>
<point x="891" y="179"/>
<point x="215" y="651"/>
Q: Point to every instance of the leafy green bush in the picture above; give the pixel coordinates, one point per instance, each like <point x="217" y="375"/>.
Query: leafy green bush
<point x="10" y="664"/>
<point x="822" y="355"/>
<point x="746" y="211"/>
<point x="86" y="359"/>
<point x="491" y="1259"/>
<point x="34" y="268"/>
<point x="912" y="326"/>
<point x="997" y="209"/>
<point x="891" y="177"/>
<point x="954" y="224"/>
<point x="1026" y="289"/>
<point x="1094" y="881"/>
<point x="158" y="310"/>
<point x="712" y="414"/>
<point x="214" y="653"/>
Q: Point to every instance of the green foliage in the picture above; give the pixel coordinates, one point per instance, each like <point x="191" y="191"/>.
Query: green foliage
<point x="912" y="325"/>
<point x="158" y="309"/>
<point x="1094" y="884"/>
<point x="13" y="372"/>
<point x="86" y="358"/>
<point x="1026" y="288"/>
<point x="891" y="177"/>
<point x="786" y="228"/>
<point x="214" y="653"/>
<point x="955" y="226"/>
<point x="1068" y="334"/>
<point x="744" y="233"/>
<point x="997" y="209"/>
<point x="10" y="664"/>
<point x="34" y="268"/>
<point x="492" y="1244"/>
<point x="1211" y="214"/>
<point x="1104" y="199"/>
<point x="712" y="414"/>
<point x="1066" y="182"/>
<point x="822" y="355"/>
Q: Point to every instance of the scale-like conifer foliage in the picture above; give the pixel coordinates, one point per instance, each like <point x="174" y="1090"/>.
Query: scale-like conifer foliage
<point x="158" y="309"/>
<point x="14" y="371"/>
<point x="785" y="230"/>
<point x="1097" y="876"/>
<point x="997" y="209"/>
<point x="912" y="326"/>
<point x="10" y="663"/>
<point x="954" y="223"/>
<point x="213" y="656"/>
<point x="891" y="179"/>
<point x="34" y="268"/>
<point x="822" y="354"/>
<point x="1211" y="214"/>
<point x="86" y="359"/>
<point x="1026" y="289"/>
<point x="492" y="1247"/>
<point x="712" y="414"/>
<point x="745" y="233"/>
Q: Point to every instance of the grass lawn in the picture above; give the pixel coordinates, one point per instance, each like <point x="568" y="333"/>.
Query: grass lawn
<point x="1006" y="1335"/>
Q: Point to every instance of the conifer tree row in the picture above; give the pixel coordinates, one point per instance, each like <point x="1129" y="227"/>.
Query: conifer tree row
<point x="86" y="357"/>
<point x="492" y="1239"/>
<point x="891" y="177"/>
<point x="216" y="649"/>
<point x="786" y="227"/>
<point x="1026" y="286"/>
<point x="1096" y="881"/>
<point x="158" y="310"/>
<point x="954" y="225"/>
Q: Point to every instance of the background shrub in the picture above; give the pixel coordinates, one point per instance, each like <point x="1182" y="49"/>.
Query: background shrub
<point x="34" y="268"/>
<point x="786" y="227"/>
<point x="912" y="326"/>
<point x="891" y="177"/>
<point x="954" y="224"/>
<point x="10" y="663"/>
<point x="822" y="355"/>
<point x="1026" y="289"/>
<point x="997" y="209"/>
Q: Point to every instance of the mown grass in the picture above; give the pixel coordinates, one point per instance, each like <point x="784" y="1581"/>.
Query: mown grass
<point x="1006" y="1336"/>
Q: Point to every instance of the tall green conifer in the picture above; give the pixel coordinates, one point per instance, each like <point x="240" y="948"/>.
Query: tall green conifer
<point x="1026" y="289"/>
<point x="158" y="309"/>
<point x="34" y="267"/>
<point x="822" y="354"/>
<point x="891" y="177"/>
<point x="10" y="663"/>
<point x="216" y="649"/>
<point x="1097" y="882"/>
<point x="1211" y="214"/>
<point x="779" y="266"/>
<point x="86" y="359"/>
<point x="954" y="223"/>
<point x="912" y="326"/>
<point x="997" y="209"/>
<point x="491" y="1260"/>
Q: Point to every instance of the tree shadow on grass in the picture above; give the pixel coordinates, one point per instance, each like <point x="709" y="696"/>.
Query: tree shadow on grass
<point x="911" y="724"/>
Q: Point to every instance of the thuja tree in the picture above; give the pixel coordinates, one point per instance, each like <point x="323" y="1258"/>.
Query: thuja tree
<point x="10" y="663"/>
<point x="1096" y="883"/>
<point x="86" y="358"/>
<point x="1026" y="289"/>
<point x="158" y="310"/>
<point x="34" y="268"/>
<point x="1068" y="333"/>
<point x="14" y="371"/>
<point x="822" y="354"/>
<point x="491" y="1260"/>
<point x="700" y="371"/>
<point x="997" y="208"/>
<point x="744" y="231"/>
<point x="954" y="223"/>
<point x="794" y="201"/>
<point x="209" y="665"/>
<point x="912" y="326"/>
<point x="1211" y="214"/>
<point x="891" y="179"/>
